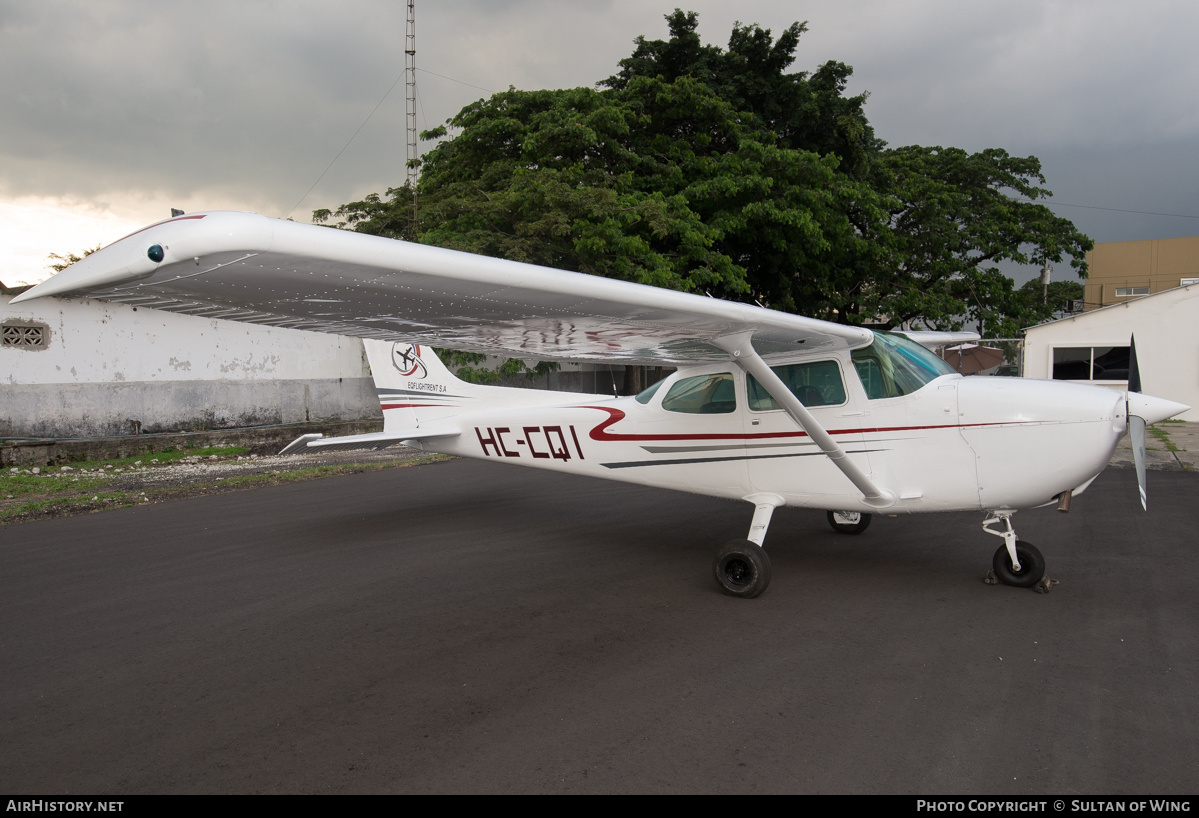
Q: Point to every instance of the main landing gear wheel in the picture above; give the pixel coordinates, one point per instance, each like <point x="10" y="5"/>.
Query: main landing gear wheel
<point x="742" y="569"/>
<point x="848" y="522"/>
<point x="1032" y="565"/>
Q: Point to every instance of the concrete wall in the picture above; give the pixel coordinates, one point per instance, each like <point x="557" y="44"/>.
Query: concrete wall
<point x="110" y="369"/>
<point x="1166" y="326"/>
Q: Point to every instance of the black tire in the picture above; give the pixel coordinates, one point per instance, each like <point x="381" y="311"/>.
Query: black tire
<point x="849" y="528"/>
<point x="1032" y="565"/>
<point x="742" y="569"/>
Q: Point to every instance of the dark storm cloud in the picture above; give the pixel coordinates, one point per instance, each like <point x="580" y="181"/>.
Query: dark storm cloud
<point x="243" y="97"/>
<point x="248" y="103"/>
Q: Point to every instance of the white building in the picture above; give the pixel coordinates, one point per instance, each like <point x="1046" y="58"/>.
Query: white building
<point x="1093" y="347"/>
<point x="81" y="368"/>
<point x="73" y="367"/>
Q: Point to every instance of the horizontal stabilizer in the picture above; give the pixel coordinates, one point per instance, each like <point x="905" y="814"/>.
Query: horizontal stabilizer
<point x="375" y="440"/>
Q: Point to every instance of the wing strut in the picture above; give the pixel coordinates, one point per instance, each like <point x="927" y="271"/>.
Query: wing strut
<point x="746" y="357"/>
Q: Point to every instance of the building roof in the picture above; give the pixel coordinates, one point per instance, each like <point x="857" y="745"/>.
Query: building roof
<point x="1122" y="305"/>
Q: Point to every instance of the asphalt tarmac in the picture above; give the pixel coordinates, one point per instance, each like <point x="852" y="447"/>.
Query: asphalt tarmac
<point x="468" y="627"/>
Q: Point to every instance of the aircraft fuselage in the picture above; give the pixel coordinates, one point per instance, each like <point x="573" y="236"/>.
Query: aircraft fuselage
<point x="956" y="443"/>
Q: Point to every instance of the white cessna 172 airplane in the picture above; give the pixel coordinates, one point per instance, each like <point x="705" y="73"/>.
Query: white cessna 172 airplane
<point x="770" y="408"/>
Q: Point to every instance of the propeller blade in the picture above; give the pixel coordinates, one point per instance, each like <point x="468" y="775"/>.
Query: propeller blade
<point x="1136" y="431"/>
<point x="1134" y="371"/>
<point x="1136" y="423"/>
<point x="1143" y="410"/>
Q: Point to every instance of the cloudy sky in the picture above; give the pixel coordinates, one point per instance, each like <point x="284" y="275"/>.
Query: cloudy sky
<point x="114" y="111"/>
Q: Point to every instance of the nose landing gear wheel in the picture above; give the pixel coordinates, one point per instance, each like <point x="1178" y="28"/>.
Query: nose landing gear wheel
<point x="742" y="569"/>
<point x="1032" y="565"/>
<point x="848" y="522"/>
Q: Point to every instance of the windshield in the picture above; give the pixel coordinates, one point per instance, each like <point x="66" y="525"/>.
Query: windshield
<point x="894" y="365"/>
<point x="645" y="395"/>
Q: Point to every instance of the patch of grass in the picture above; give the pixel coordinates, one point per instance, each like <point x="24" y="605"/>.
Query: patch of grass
<point x="163" y="457"/>
<point x="57" y="483"/>
<point x="63" y="506"/>
<point x="316" y="472"/>
<point x="54" y="480"/>
<point x="246" y="481"/>
<point x="1164" y="438"/>
<point x="58" y="495"/>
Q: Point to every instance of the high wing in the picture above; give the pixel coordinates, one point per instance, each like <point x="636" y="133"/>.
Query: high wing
<point x="246" y="267"/>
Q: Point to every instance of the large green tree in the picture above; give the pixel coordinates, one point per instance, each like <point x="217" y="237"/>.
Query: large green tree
<point x="805" y="111"/>
<point x="953" y="218"/>
<point x="714" y="170"/>
<point x="662" y="183"/>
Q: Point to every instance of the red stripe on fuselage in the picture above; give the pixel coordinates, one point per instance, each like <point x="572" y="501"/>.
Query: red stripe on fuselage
<point x="387" y="406"/>
<point x="601" y="432"/>
<point x="615" y="415"/>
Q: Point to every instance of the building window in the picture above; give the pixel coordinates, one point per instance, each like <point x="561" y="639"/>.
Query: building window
<point x="1090" y="364"/>
<point x="25" y="335"/>
<point x="1126" y="292"/>
<point x="1186" y="282"/>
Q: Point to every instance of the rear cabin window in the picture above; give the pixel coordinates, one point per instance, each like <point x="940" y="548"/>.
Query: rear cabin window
<point x="815" y="384"/>
<point x="702" y="395"/>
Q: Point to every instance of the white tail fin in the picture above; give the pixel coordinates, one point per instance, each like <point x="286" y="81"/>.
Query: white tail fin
<point x="414" y="386"/>
<point x="416" y="390"/>
<point x="420" y="399"/>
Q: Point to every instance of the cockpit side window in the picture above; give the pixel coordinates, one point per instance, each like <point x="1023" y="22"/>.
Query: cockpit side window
<point x="815" y="384"/>
<point x="702" y="395"/>
<point x="893" y="366"/>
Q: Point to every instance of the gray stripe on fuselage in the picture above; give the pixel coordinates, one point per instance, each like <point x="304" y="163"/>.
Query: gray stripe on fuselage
<point x="669" y="449"/>
<point x="632" y="464"/>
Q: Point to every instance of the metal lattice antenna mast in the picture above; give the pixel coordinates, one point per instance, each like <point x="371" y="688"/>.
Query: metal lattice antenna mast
<point x="410" y="112"/>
